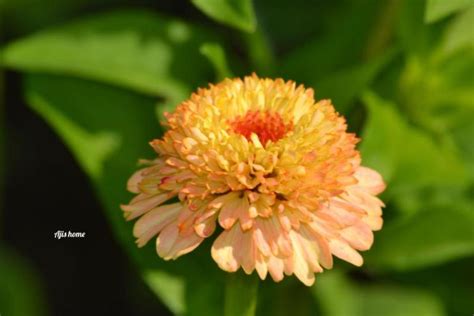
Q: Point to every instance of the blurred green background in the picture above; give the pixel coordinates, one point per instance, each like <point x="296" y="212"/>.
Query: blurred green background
<point x="84" y="84"/>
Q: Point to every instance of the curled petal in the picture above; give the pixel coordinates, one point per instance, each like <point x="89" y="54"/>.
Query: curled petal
<point x="205" y="226"/>
<point x="170" y="244"/>
<point x="154" y="221"/>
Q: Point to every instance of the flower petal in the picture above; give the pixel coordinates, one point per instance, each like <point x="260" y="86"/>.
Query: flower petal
<point x="370" y="180"/>
<point x="140" y="207"/>
<point x="300" y="265"/>
<point x="343" y="251"/>
<point x="222" y="250"/>
<point x="359" y="236"/>
<point x="232" y="210"/>
<point x="154" y="221"/>
<point x="170" y="244"/>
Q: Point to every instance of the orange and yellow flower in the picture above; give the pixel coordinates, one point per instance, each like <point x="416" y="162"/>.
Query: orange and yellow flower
<point x="276" y="170"/>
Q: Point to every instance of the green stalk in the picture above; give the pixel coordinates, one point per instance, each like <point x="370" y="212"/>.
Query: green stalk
<point x="240" y="295"/>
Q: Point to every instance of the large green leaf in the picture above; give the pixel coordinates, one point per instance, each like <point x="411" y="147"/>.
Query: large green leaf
<point x="460" y="32"/>
<point x="236" y="13"/>
<point x="426" y="238"/>
<point x="339" y="296"/>
<point x="134" y="49"/>
<point x="437" y="9"/>
<point x="407" y="157"/>
<point x="118" y="124"/>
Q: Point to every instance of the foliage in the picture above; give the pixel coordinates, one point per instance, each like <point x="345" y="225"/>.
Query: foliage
<point x="401" y="71"/>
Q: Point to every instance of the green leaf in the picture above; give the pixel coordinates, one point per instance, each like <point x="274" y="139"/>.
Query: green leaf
<point x="169" y="288"/>
<point x="407" y="157"/>
<point x="438" y="9"/>
<point x="426" y="238"/>
<point x="460" y="33"/>
<point x="91" y="149"/>
<point x="345" y="85"/>
<point x="241" y="295"/>
<point x="340" y="296"/>
<point x="235" y="13"/>
<point x="133" y="49"/>
<point x="20" y="289"/>
<point x="216" y="56"/>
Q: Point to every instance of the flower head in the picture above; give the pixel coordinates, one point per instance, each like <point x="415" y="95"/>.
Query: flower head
<point x="276" y="170"/>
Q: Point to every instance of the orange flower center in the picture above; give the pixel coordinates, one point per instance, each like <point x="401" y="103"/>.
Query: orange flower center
<point x="266" y="125"/>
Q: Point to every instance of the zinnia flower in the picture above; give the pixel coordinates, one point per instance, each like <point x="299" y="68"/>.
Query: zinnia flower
<point x="276" y="170"/>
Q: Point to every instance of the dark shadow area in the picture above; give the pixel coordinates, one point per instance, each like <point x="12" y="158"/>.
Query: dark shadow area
<point x="45" y="192"/>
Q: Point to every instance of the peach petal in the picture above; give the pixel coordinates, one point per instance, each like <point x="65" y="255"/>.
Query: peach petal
<point x="300" y="266"/>
<point x="205" y="228"/>
<point x="374" y="222"/>
<point x="276" y="237"/>
<point x="261" y="242"/>
<point x="371" y="204"/>
<point x="309" y="249"/>
<point x="232" y="210"/>
<point x="132" y="184"/>
<point x="222" y="250"/>
<point x="343" y="251"/>
<point x="154" y="221"/>
<point x="339" y="215"/>
<point x="359" y="236"/>
<point x="144" y="205"/>
<point x="275" y="268"/>
<point x="317" y="245"/>
<point x="245" y="251"/>
<point x="223" y="199"/>
<point x="261" y="267"/>
<point x="370" y="180"/>
<point x="170" y="244"/>
<point x="150" y="185"/>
